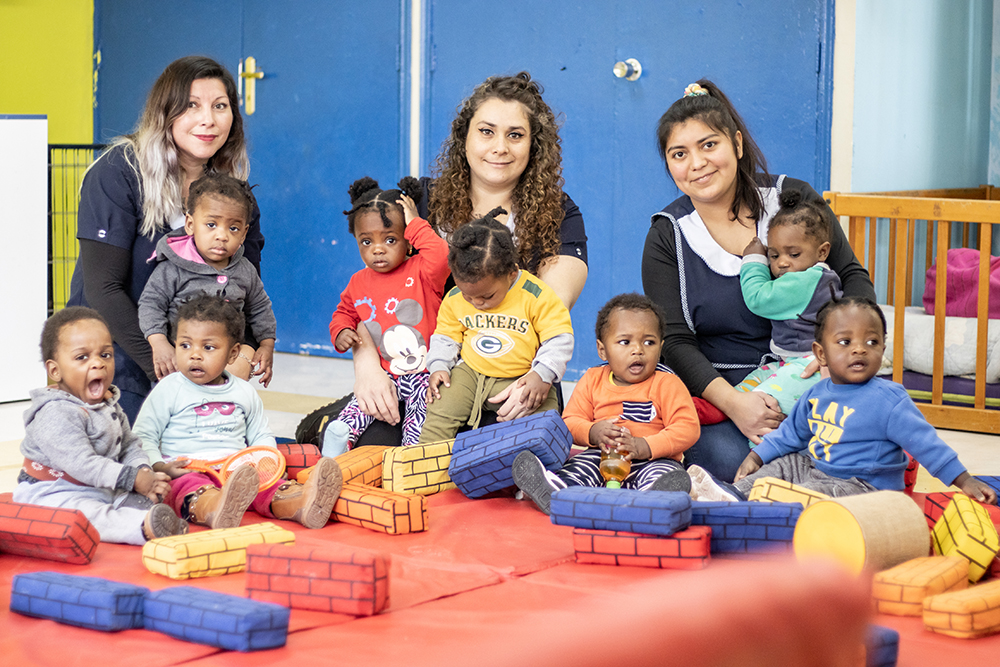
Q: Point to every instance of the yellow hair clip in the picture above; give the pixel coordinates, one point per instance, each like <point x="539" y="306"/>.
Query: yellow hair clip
<point x="694" y="90"/>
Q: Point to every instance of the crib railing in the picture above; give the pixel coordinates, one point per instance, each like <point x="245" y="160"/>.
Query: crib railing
<point x="972" y="213"/>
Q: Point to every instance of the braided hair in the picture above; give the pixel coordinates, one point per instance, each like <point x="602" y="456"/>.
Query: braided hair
<point x="482" y="248"/>
<point x="366" y="195"/>
<point x="835" y="304"/>
<point x="795" y="210"/>
<point x="221" y="185"/>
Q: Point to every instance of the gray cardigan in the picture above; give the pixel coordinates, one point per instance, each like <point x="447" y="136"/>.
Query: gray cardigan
<point x="179" y="276"/>
<point x="91" y="443"/>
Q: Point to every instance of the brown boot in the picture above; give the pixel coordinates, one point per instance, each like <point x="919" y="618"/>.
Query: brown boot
<point x="311" y="503"/>
<point x="161" y="521"/>
<point x="224" y="508"/>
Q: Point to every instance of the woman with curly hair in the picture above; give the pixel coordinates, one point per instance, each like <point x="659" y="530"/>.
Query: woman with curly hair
<point x="136" y="192"/>
<point x="503" y="151"/>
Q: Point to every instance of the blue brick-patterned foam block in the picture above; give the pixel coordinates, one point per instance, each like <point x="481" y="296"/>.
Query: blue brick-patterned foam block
<point x="993" y="482"/>
<point x="481" y="459"/>
<point x="226" y="621"/>
<point x="89" y="602"/>
<point x="646" y="512"/>
<point x="747" y="527"/>
<point x="881" y="647"/>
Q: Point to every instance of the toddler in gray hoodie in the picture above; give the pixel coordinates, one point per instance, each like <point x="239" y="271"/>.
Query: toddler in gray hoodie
<point x="206" y="257"/>
<point x="79" y="452"/>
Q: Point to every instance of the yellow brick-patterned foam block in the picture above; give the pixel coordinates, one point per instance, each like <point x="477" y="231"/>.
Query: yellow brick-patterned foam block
<point x="965" y="529"/>
<point x="901" y="590"/>
<point x="381" y="510"/>
<point x="209" y="553"/>
<point x="421" y="469"/>
<point x="363" y="465"/>
<point x="777" y="490"/>
<point x="974" y="612"/>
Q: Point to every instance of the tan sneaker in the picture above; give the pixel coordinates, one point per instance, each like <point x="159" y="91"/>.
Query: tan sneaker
<point x="224" y="508"/>
<point x="162" y="521"/>
<point x="311" y="503"/>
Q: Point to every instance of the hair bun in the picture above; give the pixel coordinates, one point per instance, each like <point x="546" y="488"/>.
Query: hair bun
<point x="361" y="187"/>
<point x="790" y="198"/>
<point x="492" y="215"/>
<point x="410" y="187"/>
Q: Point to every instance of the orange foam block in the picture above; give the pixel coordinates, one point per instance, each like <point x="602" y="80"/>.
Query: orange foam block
<point x="331" y="578"/>
<point x="361" y="465"/>
<point x="380" y="510"/>
<point x="51" y="533"/>
<point x="974" y="612"/>
<point x="684" y="550"/>
<point x="901" y="590"/>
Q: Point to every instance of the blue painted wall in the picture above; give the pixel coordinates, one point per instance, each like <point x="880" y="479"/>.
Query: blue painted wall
<point x="921" y="94"/>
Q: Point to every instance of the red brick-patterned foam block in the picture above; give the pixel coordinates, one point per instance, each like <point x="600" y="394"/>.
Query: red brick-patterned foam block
<point x="380" y="510"/>
<point x="684" y="550"/>
<point x="63" y="535"/>
<point x="298" y="457"/>
<point x="332" y="578"/>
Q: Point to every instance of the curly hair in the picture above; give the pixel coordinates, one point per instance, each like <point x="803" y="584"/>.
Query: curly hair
<point x="211" y="308"/>
<point x="537" y="197"/>
<point x="366" y="195"/>
<point x="715" y="110"/>
<point x="630" y="301"/>
<point x="482" y="248"/>
<point x="796" y="210"/>
<point x="60" y="320"/>
<point x="834" y="305"/>
<point x="221" y="185"/>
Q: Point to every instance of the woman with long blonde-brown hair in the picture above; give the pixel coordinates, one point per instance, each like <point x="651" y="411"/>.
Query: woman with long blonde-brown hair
<point x="135" y="192"/>
<point x="503" y="150"/>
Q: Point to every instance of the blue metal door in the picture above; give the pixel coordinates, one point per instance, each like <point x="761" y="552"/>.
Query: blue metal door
<point x="770" y="56"/>
<point x="327" y="112"/>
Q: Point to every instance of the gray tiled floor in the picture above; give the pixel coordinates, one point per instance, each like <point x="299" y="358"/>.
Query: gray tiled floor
<point x="302" y="383"/>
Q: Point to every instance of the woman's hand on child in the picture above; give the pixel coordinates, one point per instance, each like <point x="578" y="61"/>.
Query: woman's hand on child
<point x="434" y="383"/>
<point x="263" y="361"/>
<point x="750" y="465"/>
<point x="409" y="208"/>
<point x="346" y="339"/>
<point x="164" y="356"/>
<point x="755" y="247"/>
<point x="153" y="485"/>
<point x="755" y="413"/>
<point x="976" y="489"/>
<point x="172" y="469"/>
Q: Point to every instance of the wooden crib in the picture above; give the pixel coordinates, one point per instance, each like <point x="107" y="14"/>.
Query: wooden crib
<point x="974" y="212"/>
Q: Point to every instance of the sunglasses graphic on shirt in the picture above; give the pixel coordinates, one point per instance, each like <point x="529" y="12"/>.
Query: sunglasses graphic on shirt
<point x="206" y="409"/>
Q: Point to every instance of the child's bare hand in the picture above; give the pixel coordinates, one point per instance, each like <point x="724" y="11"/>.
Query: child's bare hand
<point x="409" y="208"/>
<point x="533" y="390"/>
<point x="976" y="489"/>
<point x="346" y="339"/>
<point x="153" y="485"/>
<point x="750" y="465"/>
<point x="263" y="361"/>
<point x="164" y="356"/>
<point x="605" y="435"/>
<point x="755" y="247"/>
<point x="634" y="449"/>
<point x="172" y="469"/>
<point x="434" y="383"/>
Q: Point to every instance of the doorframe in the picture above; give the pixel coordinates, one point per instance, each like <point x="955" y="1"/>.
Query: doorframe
<point x="824" y="93"/>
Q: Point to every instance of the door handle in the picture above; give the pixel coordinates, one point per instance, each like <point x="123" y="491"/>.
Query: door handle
<point x="248" y="70"/>
<point x="630" y="70"/>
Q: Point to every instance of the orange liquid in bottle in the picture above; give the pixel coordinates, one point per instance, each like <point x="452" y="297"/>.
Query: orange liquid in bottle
<point x="614" y="468"/>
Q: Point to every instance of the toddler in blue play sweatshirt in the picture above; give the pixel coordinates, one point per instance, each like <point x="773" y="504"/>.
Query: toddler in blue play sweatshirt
<point x="848" y="433"/>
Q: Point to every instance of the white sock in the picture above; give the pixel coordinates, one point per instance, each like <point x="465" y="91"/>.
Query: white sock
<point x="335" y="438"/>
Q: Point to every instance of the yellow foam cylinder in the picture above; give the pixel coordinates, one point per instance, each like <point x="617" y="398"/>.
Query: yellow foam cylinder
<point x="873" y="531"/>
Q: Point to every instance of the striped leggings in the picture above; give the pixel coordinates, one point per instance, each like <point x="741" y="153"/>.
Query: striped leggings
<point x="584" y="469"/>
<point x="412" y="390"/>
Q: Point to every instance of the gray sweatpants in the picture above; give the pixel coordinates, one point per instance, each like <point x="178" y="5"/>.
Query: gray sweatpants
<point x="800" y="469"/>
<point x="114" y="513"/>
